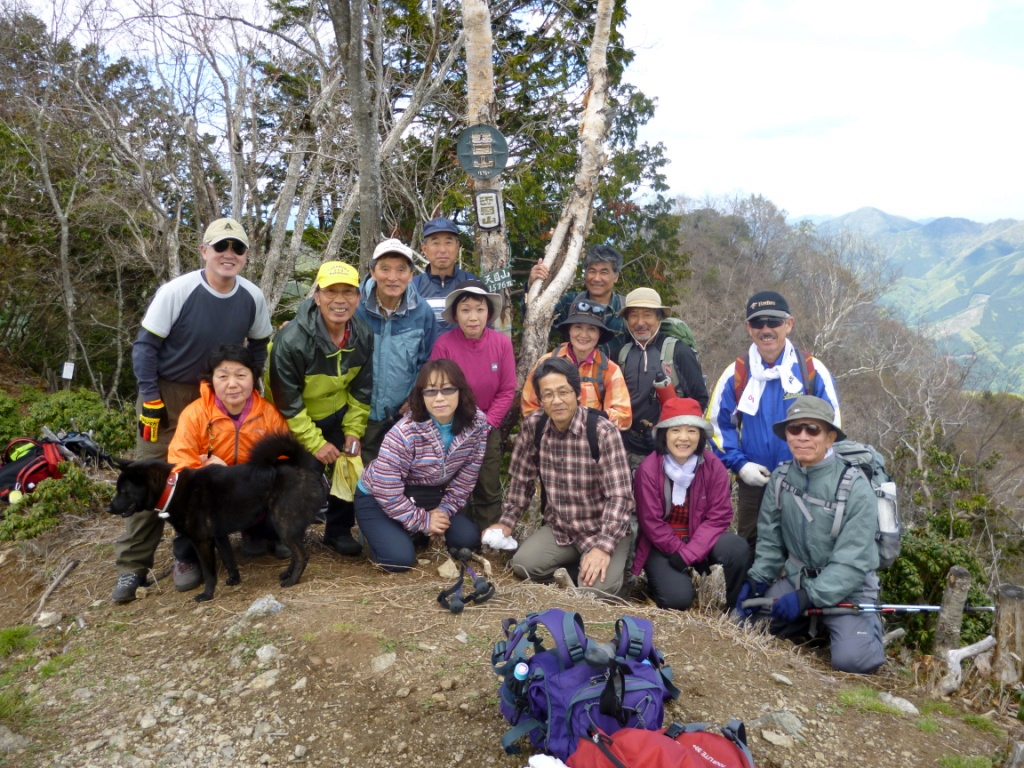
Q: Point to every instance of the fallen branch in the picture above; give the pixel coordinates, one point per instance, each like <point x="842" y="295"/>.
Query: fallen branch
<point x="954" y="675"/>
<point x="69" y="566"/>
<point x="892" y="637"/>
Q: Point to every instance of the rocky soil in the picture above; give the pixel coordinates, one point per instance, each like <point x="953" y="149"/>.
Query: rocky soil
<point x="360" y="668"/>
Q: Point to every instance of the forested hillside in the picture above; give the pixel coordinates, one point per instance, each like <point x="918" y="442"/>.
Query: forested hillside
<point x="961" y="281"/>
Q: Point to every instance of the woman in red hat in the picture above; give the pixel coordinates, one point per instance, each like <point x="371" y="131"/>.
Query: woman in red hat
<point x="684" y="507"/>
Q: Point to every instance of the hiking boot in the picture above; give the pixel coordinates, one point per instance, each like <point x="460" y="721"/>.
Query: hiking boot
<point x="281" y="551"/>
<point x="253" y="547"/>
<point x="345" y="545"/>
<point x="186" y="576"/>
<point x="124" y="590"/>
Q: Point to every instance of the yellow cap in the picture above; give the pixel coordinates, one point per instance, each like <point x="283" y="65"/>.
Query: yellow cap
<point x="335" y="273"/>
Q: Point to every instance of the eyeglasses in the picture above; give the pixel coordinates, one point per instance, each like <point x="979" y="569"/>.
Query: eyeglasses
<point x="588" y="307"/>
<point x="811" y="429"/>
<point x="430" y="394"/>
<point x="765" y="322"/>
<point x="236" y="245"/>
<point x="558" y="394"/>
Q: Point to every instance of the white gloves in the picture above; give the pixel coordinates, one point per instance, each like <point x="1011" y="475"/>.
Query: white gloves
<point x="754" y="474"/>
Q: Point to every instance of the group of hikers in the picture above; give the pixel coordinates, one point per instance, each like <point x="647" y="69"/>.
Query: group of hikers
<point x="397" y="384"/>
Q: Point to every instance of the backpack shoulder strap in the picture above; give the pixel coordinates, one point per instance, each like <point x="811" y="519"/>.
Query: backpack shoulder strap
<point x="668" y="496"/>
<point x="595" y="446"/>
<point x="807" y="372"/>
<point x="668" y="363"/>
<point x="842" y="495"/>
<point x="634" y="638"/>
<point x="567" y="634"/>
<point x="780" y="479"/>
<point x="740" y="375"/>
<point x="538" y="434"/>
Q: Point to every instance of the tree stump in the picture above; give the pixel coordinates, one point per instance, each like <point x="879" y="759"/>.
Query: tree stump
<point x="1009" y="632"/>
<point x="951" y="614"/>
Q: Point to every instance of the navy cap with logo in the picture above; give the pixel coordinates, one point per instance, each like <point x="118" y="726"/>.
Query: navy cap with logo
<point x="767" y="304"/>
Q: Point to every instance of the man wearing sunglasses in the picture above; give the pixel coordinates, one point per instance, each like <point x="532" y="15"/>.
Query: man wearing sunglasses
<point x="826" y="553"/>
<point x="753" y="393"/>
<point x="188" y="317"/>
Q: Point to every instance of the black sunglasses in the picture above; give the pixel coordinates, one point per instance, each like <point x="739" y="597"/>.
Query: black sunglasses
<point x="236" y="245"/>
<point x="765" y="322"/>
<point x="811" y="429"/>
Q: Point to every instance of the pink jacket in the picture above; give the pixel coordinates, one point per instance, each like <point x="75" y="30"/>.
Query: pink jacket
<point x="710" y="510"/>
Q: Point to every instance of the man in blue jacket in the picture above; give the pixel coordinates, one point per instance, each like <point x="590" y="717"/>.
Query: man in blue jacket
<point x="441" y="249"/>
<point x="753" y="393"/>
<point x="403" y="336"/>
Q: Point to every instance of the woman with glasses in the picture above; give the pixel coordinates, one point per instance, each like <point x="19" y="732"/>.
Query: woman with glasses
<point x="684" y="508"/>
<point x="426" y="469"/>
<point x="490" y="368"/>
<point x="603" y="387"/>
<point x="826" y="555"/>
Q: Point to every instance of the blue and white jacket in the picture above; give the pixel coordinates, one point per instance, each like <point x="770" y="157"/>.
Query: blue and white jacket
<point x="402" y="343"/>
<point x="754" y="440"/>
<point x="435" y="289"/>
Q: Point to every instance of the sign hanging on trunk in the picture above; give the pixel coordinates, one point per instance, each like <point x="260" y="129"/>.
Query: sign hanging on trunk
<point x="482" y="151"/>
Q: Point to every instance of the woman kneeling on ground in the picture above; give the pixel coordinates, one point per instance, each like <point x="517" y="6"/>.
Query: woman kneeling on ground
<point x="221" y="427"/>
<point x="684" y="507"/>
<point x="427" y="466"/>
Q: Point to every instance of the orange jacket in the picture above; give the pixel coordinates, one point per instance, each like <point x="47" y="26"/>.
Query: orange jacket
<point x="204" y="429"/>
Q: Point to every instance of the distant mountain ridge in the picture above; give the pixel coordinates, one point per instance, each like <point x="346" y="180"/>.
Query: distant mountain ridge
<point x="962" y="280"/>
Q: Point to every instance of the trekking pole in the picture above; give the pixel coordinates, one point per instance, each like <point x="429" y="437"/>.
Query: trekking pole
<point x="763" y="605"/>
<point x="894" y="608"/>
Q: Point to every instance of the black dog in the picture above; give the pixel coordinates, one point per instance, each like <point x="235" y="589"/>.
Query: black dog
<point x="281" y="483"/>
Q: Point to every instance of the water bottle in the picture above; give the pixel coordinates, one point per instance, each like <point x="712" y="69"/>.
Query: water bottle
<point x="520" y="673"/>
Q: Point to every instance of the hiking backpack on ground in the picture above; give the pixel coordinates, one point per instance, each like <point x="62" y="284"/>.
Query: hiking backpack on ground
<point x="24" y="464"/>
<point x="675" y="330"/>
<point x="556" y="693"/>
<point x="678" y="746"/>
<point x="863" y="458"/>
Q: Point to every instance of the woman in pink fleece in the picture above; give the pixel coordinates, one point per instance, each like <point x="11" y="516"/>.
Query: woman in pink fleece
<point x="485" y="356"/>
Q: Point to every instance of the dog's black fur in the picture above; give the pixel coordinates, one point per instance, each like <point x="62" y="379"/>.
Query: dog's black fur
<point x="281" y="482"/>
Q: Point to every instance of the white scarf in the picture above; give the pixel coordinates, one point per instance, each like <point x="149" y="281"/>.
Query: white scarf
<point x="759" y="375"/>
<point x="681" y="476"/>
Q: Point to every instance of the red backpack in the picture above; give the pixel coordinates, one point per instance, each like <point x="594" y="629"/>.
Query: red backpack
<point x="24" y="464"/>
<point x="678" y="746"/>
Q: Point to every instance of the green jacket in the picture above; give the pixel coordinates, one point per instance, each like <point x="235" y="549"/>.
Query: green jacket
<point x="309" y="379"/>
<point x="784" y="536"/>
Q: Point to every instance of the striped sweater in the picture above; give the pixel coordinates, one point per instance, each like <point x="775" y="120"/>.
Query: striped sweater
<point x="412" y="453"/>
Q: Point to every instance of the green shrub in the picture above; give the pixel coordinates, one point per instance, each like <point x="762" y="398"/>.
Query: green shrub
<point x="82" y="410"/>
<point x="41" y="510"/>
<point x="919" y="577"/>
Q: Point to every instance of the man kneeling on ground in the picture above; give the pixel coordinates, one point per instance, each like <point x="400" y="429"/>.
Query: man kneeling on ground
<point x="821" y="569"/>
<point x="587" y="501"/>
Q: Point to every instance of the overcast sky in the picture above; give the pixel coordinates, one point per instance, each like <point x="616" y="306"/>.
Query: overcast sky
<point x="825" y="106"/>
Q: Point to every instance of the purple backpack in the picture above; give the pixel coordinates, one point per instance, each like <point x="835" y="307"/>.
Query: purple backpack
<point x="577" y="684"/>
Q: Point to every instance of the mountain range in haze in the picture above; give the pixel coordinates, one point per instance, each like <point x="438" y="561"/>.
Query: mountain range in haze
<point x="962" y="281"/>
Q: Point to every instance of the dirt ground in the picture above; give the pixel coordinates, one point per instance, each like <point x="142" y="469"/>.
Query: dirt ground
<point x="370" y="671"/>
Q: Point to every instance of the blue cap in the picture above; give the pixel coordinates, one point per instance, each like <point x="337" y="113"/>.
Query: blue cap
<point x="440" y="224"/>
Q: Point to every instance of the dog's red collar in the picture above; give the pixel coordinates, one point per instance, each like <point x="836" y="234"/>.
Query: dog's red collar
<point x="165" y="497"/>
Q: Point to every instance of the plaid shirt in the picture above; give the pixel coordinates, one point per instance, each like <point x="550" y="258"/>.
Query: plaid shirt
<point x="589" y="503"/>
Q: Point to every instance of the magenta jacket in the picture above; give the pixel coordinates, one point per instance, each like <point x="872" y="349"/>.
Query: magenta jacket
<point x="489" y="366"/>
<point x="710" y="510"/>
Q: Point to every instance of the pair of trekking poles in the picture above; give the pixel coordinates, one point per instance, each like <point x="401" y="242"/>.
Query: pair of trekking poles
<point x="764" y="604"/>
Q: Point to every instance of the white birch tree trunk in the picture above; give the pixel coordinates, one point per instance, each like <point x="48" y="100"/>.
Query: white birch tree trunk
<point x="563" y="252"/>
<point x="482" y="108"/>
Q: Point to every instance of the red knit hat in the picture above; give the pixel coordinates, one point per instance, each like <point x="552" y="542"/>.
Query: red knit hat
<point x="683" y="411"/>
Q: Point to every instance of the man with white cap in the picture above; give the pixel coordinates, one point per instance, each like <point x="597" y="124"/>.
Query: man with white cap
<point x="441" y="250"/>
<point x="650" y="360"/>
<point x="404" y="331"/>
<point x="753" y="393"/>
<point x="188" y="317"/>
<point x="321" y="379"/>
